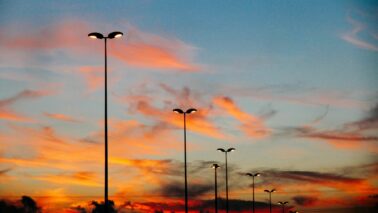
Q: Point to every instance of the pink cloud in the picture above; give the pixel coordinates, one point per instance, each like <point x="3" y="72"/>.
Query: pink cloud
<point x="251" y="125"/>
<point x="352" y="36"/>
<point x="62" y="117"/>
<point x="137" y="48"/>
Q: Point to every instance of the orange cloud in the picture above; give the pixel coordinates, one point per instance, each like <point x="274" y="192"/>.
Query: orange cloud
<point x="12" y="116"/>
<point x="82" y="178"/>
<point x="7" y="114"/>
<point x="196" y="122"/>
<point x="61" y="117"/>
<point x="94" y="77"/>
<point x="150" y="56"/>
<point x="138" y="49"/>
<point x="250" y="125"/>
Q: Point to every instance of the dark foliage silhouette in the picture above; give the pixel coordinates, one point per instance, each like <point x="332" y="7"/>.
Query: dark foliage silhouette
<point x="100" y="207"/>
<point x="25" y="205"/>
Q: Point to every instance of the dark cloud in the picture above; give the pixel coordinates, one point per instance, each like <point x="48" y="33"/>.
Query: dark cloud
<point x="367" y="123"/>
<point x="307" y="176"/>
<point x="25" y="94"/>
<point x="339" y="135"/>
<point x="176" y="189"/>
<point x="204" y="205"/>
<point x="304" y="200"/>
<point x="4" y="171"/>
<point x="79" y="209"/>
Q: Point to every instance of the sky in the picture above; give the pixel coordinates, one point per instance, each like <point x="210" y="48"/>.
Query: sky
<point x="291" y="85"/>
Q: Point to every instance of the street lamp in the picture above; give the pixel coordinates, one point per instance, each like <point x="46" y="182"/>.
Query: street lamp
<point x="112" y="35"/>
<point x="253" y="188"/>
<point x="225" y="152"/>
<point x="215" y="167"/>
<point x="270" y="198"/>
<point x="189" y="111"/>
<point x="283" y="205"/>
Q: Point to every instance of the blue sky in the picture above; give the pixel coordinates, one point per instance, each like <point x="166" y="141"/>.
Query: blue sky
<point x="292" y="85"/>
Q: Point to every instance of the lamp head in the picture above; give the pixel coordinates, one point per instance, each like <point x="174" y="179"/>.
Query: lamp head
<point x="221" y="150"/>
<point x="115" y="34"/>
<point x="191" y="110"/>
<point x="178" y="111"/>
<point x="266" y="190"/>
<point x="249" y="174"/>
<point x="230" y="149"/>
<point x="95" y="35"/>
<point x="215" y="166"/>
<point x="257" y="174"/>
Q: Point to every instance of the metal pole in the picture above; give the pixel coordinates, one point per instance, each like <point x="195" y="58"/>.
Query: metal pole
<point x="270" y="202"/>
<point x="106" y="129"/>
<point x="186" y="183"/>
<point x="253" y="193"/>
<point x="216" y="192"/>
<point x="226" y="184"/>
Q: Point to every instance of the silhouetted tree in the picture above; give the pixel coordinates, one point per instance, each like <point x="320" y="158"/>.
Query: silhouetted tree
<point x="100" y="207"/>
<point x="28" y="206"/>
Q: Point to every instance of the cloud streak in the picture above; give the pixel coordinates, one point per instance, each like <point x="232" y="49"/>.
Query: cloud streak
<point x="252" y="126"/>
<point x="352" y="36"/>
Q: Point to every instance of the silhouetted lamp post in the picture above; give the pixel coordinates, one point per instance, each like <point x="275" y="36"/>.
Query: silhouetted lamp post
<point x="112" y="35"/>
<point x="282" y="203"/>
<point x="270" y="198"/>
<point x="215" y="167"/>
<point x="225" y="152"/>
<point x="253" y="188"/>
<point x="189" y="111"/>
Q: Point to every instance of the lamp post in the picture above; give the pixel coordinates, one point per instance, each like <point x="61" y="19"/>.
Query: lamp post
<point x="96" y="35"/>
<point x="215" y="167"/>
<point x="270" y="198"/>
<point x="189" y="111"/>
<point x="282" y="203"/>
<point x="225" y="152"/>
<point x="253" y="188"/>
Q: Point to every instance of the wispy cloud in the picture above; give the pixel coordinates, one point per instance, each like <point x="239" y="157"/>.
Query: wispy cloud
<point x="251" y="125"/>
<point x="6" y="113"/>
<point x="83" y="178"/>
<point x="140" y="49"/>
<point x="61" y="117"/>
<point x="353" y="38"/>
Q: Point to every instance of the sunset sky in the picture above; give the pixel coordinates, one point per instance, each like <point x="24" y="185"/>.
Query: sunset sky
<point x="291" y="85"/>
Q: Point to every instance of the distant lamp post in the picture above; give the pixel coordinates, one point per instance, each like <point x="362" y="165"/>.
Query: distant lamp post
<point x="270" y="198"/>
<point x="189" y="111"/>
<point x="215" y="167"/>
<point x="225" y="152"/>
<point x="253" y="188"/>
<point x="112" y="35"/>
<point x="283" y="203"/>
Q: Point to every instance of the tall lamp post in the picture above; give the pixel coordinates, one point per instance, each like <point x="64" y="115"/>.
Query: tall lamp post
<point x="189" y="111"/>
<point x="270" y="198"/>
<point x="282" y="203"/>
<point x="215" y="167"/>
<point x="225" y="152"/>
<point x="253" y="188"/>
<point x="96" y="35"/>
